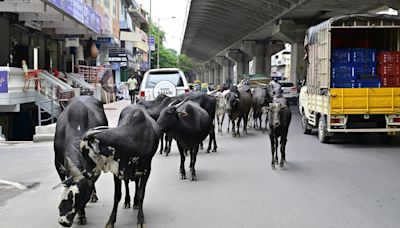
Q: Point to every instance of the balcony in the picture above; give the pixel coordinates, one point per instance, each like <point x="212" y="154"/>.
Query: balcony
<point x="139" y="14"/>
<point x="138" y="37"/>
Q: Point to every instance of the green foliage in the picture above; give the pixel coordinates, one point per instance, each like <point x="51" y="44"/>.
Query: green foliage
<point x="169" y="58"/>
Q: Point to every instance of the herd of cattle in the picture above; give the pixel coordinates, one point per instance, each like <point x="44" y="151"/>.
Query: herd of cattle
<point x="85" y="146"/>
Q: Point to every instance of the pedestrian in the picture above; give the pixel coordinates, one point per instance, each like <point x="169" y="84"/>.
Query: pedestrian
<point x="132" y="82"/>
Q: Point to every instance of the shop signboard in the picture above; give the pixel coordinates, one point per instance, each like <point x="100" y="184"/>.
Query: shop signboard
<point x="118" y="55"/>
<point x="81" y="11"/>
<point x="3" y="81"/>
<point x="71" y="41"/>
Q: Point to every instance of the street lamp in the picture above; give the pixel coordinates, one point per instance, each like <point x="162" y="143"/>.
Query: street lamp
<point x="158" y="41"/>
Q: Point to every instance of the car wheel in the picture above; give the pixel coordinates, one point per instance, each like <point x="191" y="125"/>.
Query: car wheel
<point x="305" y="127"/>
<point x="323" y="134"/>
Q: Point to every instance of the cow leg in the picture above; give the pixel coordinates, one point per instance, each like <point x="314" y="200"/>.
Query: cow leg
<point x="82" y="217"/>
<point x="233" y="129"/>
<point x="219" y="123"/>
<point x="193" y="155"/>
<point x="238" y="126"/>
<point x="276" y="149"/>
<point x="136" y="198"/>
<point x="168" y="142"/>
<point x="162" y="143"/>
<point x="141" y="191"/>
<point x="271" y="137"/>
<point x="260" y="121"/>
<point x="214" y="139"/>
<point x="182" y="167"/>
<point x="117" y="198"/>
<point x="245" y="119"/>
<point x="283" y="145"/>
<point x="229" y="122"/>
<point x="93" y="197"/>
<point x="127" y="203"/>
<point x="60" y="170"/>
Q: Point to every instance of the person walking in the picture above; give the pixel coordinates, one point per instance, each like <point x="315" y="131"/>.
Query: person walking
<point x="132" y="82"/>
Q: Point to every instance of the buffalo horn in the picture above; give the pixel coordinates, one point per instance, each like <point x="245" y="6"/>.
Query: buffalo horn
<point x="73" y="170"/>
<point x="172" y="103"/>
<point x="91" y="132"/>
<point x="180" y="103"/>
<point x="261" y="84"/>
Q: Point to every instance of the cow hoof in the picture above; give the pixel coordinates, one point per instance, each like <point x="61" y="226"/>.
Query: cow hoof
<point x="82" y="221"/>
<point x="141" y="225"/>
<point x="93" y="198"/>
<point x="127" y="205"/>
<point x="183" y="176"/>
<point x="109" y="225"/>
<point x="208" y="150"/>
<point x="135" y="207"/>
<point x="194" y="178"/>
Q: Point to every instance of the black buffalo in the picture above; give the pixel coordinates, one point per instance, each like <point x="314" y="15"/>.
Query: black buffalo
<point x="260" y="98"/>
<point x="189" y="125"/>
<point x="130" y="148"/>
<point x="73" y="167"/>
<point x="279" y="118"/>
<point x="238" y="106"/>
<point x="208" y="103"/>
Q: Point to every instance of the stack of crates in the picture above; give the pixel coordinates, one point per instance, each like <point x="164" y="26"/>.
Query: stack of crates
<point x="354" y="68"/>
<point x="389" y="68"/>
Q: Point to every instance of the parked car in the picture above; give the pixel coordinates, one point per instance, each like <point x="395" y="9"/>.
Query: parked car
<point x="289" y="91"/>
<point x="168" y="81"/>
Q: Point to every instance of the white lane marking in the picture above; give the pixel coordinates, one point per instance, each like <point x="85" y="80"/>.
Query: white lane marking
<point x="15" y="184"/>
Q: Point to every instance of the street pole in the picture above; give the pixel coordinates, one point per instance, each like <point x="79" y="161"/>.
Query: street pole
<point x="158" y="41"/>
<point x="158" y="44"/>
<point x="148" y="40"/>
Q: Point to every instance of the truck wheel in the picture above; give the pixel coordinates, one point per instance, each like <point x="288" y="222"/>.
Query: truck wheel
<point x="323" y="134"/>
<point x="305" y="127"/>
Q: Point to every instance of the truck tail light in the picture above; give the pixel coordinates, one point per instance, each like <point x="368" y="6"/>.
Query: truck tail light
<point x="186" y="90"/>
<point x="142" y="93"/>
<point x="338" y="120"/>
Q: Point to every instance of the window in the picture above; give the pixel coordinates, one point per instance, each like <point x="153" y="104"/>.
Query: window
<point x="156" y="77"/>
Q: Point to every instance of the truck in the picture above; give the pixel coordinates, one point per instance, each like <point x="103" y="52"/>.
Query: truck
<point x="353" y="77"/>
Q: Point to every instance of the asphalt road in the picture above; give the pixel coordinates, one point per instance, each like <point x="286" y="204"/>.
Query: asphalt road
<point x="353" y="182"/>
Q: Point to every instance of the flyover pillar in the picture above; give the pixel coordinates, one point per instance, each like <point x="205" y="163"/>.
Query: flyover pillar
<point x="209" y="75"/>
<point x="241" y="62"/>
<point x="256" y="50"/>
<point x="217" y="72"/>
<point x="293" y="33"/>
<point x="225" y="64"/>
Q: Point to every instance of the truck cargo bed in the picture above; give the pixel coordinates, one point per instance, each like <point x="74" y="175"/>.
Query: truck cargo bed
<point x="365" y="101"/>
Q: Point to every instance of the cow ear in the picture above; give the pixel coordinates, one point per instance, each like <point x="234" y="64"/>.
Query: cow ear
<point x="183" y="114"/>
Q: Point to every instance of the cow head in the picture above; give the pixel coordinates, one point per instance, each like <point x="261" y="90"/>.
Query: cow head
<point x="169" y="116"/>
<point x="274" y="115"/>
<point x="75" y="194"/>
<point x="232" y="100"/>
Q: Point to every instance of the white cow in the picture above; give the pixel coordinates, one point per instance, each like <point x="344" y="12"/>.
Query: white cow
<point x="221" y="109"/>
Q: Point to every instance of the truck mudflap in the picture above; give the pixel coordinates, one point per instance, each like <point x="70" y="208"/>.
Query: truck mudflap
<point x="347" y="101"/>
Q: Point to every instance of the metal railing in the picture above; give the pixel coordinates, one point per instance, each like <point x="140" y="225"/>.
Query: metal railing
<point x="42" y="111"/>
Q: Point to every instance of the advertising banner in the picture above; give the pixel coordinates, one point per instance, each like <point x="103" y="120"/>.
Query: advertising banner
<point x="3" y="81"/>
<point x="81" y="11"/>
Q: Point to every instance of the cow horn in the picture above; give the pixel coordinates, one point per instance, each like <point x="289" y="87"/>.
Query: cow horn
<point x="91" y="133"/>
<point x="73" y="170"/>
<point x="180" y="103"/>
<point x="261" y="84"/>
<point x="100" y="128"/>
<point x="173" y="102"/>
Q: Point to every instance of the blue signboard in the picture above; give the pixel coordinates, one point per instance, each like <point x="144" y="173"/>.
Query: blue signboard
<point x="81" y="11"/>
<point x="3" y="81"/>
<point x="151" y="40"/>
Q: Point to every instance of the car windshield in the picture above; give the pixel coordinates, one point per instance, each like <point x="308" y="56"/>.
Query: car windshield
<point x="156" y="77"/>
<point x="286" y="84"/>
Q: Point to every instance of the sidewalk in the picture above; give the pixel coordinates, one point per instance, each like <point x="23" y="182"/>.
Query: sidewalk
<point x="113" y="110"/>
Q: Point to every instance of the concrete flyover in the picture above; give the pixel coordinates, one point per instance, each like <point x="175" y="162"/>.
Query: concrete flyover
<point x="238" y="31"/>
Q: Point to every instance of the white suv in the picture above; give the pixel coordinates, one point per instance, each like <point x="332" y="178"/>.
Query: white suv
<point x="289" y="91"/>
<point x="168" y="81"/>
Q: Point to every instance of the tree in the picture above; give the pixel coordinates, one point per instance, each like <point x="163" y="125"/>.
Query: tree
<point x="169" y="58"/>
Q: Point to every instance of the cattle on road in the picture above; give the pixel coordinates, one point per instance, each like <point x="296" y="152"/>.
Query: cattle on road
<point x="238" y="107"/>
<point x="129" y="149"/>
<point x="189" y="125"/>
<point x="74" y="167"/>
